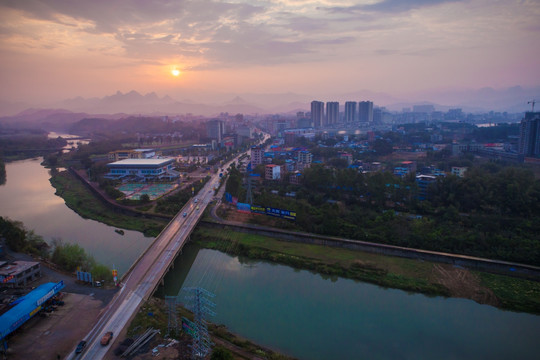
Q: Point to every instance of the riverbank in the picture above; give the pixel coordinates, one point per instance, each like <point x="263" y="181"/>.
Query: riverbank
<point x="78" y="198"/>
<point x="434" y="279"/>
<point x="223" y="339"/>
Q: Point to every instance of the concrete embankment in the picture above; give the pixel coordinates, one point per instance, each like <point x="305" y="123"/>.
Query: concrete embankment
<point x="471" y="262"/>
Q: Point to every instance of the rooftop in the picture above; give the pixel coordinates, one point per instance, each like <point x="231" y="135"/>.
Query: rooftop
<point x="15" y="267"/>
<point x="26" y="307"/>
<point x="142" y="162"/>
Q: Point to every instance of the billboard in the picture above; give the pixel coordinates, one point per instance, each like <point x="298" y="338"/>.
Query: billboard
<point x="84" y="276"/>
<point x="243" y="207"/>
<point x="285" y="214"/>
<point x="258" y="209"/>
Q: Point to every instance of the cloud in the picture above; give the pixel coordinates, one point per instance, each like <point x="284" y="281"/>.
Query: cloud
<point x="386" y="6"/>
<point x="397" y="6"/>
<point x="224" y="34"/>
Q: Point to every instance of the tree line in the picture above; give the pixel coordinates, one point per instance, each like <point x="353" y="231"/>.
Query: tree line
<point x="492" y="212"/>
<point x="66" y="256"/>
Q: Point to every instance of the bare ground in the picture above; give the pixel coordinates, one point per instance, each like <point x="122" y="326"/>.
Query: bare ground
<point x="463" y="284"/>
<point x="44" y="338"/>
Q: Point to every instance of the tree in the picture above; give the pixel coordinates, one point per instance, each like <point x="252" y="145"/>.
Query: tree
<point x="2" y="172"/>
<point x="220" y="353"/>
<point x="382" y="147"/>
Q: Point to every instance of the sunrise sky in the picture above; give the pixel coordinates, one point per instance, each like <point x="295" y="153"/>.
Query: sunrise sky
<point x="57" y="49"/>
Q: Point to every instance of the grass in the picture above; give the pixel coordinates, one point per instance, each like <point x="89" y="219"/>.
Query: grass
<point x="400" y="273"/>
<point x="151" y="314"/>
<point x="84" y="203"/>
<point x="514" y="294"/>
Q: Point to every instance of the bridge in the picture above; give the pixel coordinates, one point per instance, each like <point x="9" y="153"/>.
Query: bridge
<point x="146" y="274"/>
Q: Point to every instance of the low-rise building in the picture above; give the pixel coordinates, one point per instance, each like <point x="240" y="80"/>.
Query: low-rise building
<point x="272" y="172"/>
<point x="423" y="182"/>
<point x="19" y="273"/>
<point x="295" y="177"/>
<point x="143" y="169"/>
<point x="459" y="171"/>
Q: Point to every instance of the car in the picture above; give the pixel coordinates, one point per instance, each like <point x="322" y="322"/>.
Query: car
<point x="196" y="200"/>
<point x="197" y="207"/>
<point x="80" y="347"/>
<point x="184" y="214"/>
<point x="106" y="338"/>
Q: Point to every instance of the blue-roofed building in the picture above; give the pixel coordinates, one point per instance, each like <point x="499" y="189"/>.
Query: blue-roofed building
<point x="27" y="306"/>
<point x="147" y="169"/>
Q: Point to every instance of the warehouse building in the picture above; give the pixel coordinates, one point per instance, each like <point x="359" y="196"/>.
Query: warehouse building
<point x="22" y="309"/>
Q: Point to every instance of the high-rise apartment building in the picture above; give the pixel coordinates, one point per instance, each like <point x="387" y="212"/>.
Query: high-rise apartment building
<point x="317" y="113"/>
<point x="350" y="111"/>
<point x="365" y="111"/>
<point x="332" y="112"/>
<point x="256" y="156"/>
<point x="215" y="129"/>
<point x="529" y="137"/>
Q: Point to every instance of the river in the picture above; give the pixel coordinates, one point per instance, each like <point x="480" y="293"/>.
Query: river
<point x="304" y="315"/>
<point x="29" y="197"/>
<point x="298" y="313"/>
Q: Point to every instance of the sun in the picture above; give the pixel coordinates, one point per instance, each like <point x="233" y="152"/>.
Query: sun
<point x="175" y="72"/>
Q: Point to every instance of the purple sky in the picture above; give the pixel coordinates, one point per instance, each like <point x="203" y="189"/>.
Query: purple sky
<point x="56" y="49"/>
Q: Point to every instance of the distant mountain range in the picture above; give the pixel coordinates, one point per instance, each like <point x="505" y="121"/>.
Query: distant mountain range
<point x="150" y="104"/>
<point x="50" y="119"/>
<point x="118" y="105"/>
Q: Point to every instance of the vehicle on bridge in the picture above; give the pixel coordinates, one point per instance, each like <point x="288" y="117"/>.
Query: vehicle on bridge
<point x="80" y="347"/>
<point x="106" y="338"/>
<point x="184" y="214"/>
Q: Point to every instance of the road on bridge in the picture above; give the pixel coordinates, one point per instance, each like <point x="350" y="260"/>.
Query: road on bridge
<point x="144" y="276"/>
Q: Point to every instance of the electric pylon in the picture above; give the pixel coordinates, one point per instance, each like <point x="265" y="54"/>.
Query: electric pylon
<point x="172" y="325"/>
<point x="200" y="306"/>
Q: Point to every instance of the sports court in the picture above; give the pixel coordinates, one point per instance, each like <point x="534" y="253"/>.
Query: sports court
<point x="154" y="191"/>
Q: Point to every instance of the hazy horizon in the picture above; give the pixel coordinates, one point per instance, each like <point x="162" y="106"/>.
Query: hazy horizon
<point x="418" y="50"/>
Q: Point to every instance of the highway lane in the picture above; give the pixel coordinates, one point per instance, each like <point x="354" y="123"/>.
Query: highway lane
<point x="144" y="276"/>
<point x="142" y="279"/>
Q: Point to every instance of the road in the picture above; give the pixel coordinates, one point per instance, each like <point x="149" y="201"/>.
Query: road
<point x="145" y="275"/>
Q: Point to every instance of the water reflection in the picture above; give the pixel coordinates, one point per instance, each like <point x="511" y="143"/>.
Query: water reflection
<point x="304" y="315"/>
<point x="29" y="197"/>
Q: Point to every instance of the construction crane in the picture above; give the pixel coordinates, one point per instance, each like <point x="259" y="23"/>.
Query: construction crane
<point x="532" y="102"/>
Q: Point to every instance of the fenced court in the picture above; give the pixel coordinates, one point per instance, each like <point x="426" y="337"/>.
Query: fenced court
<point x="130" y="189"/>
<point x="154" y="191"/>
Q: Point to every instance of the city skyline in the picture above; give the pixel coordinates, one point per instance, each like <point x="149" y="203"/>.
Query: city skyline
<point x="414" y="50"/>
